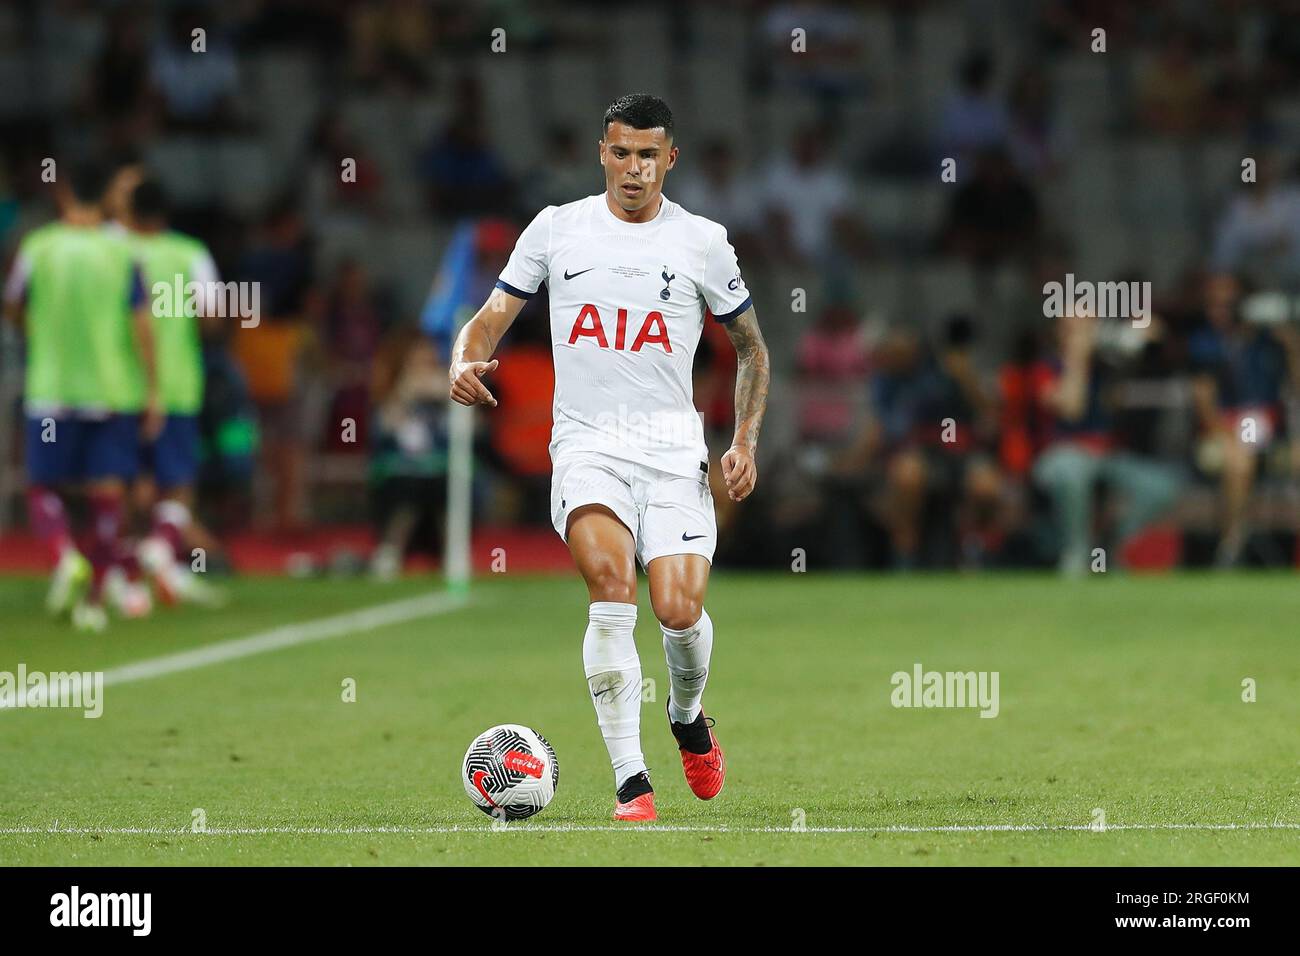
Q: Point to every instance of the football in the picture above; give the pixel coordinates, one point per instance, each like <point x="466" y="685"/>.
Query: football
<point x="510" y="772"/>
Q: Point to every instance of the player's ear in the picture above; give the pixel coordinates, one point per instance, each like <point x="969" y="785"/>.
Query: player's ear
<point x="672" y="157"/>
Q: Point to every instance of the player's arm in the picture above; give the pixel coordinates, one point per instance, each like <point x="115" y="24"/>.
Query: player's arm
<point x="142" y="325"/>
<point x="1205" y="400"/>
<point x="15" y="291"/>
<point x="753" y="374"/>
<point x="203" y="270"/>
<point x="471" y="354"/>
<point x="151" y="421"/>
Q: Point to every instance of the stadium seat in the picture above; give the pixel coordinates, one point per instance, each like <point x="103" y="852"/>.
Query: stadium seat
<point x="947" y="286"/>
<point x="877" y="33"/>
<point x="883" y="204"/>
<point x="1082" y="83"/>
<point x="283" y="90"/>
<point x="408" y="260"/>
<point x="718" y="98"/>
<point x="1218" y="175"/>
<point x="639" y="53"/>
<point x="573" y="91"/>
<point x="1157" y="187"/>
<point x="785" y="112"/>
<point x="1092" y="184"/>
<point x="881" y="290"/>
<point x="1172" y="250"/>
<point x="186" y="168"/>
<point x="17" y="90"/>
<point x="941" y="41"/>
<point x="510" y="114"/>
<point x="723" y="31"/>
<point x="247" y="178"/>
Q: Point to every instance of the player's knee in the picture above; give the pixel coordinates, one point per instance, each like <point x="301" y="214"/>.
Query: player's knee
<point x="907" y="473"/>
<point x="983" y="482"/>
<point x="1238" y="461"/>
<point x="609" y="583"/>
<point x="679" y="612"/>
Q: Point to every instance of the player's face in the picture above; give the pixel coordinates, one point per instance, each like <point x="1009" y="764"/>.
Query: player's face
<point x="636" y="162"/>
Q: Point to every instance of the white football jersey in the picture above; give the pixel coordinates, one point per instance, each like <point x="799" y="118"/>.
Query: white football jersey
<point x="627" y="307"/>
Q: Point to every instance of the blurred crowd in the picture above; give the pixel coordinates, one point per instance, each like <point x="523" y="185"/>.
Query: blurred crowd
<point x="926" y="413"/>
<point x="1068" y="452"/>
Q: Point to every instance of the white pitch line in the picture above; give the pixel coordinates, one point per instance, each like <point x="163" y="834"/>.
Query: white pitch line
<point x="288" y="635"/>
<point x="625" y="828"/>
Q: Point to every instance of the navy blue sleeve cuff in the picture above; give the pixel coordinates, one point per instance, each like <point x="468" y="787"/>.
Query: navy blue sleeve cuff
<point x="517" y="293"/>
<point x="749" y="300"/>
<point x="137" y="288"/>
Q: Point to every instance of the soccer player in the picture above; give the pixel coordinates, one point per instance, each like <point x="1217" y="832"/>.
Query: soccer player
<point x="169" y="262"/>
<point x="90" y="391"/>
<point x="632" y="277"/>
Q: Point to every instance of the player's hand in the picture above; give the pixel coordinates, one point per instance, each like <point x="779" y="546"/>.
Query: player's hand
<point x="152" y="419"/>
<point x="467" y="386"/>
<point x="739" y="471"/>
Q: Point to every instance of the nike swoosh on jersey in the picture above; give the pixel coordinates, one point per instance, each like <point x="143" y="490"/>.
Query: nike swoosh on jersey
<point x="692" y="537"/>
<point x="574" y="275"/>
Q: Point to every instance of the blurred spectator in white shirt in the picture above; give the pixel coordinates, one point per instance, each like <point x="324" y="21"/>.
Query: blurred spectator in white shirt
<point x="809" y="205"/>
<point x="974" y="117"/>
<point x="197" y="87"/>
<point x="829" y="65"/>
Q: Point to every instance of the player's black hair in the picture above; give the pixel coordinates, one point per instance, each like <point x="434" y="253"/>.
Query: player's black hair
<point x="639" y="111"/>
<point x="88" y="179"/>
<point x="149" y="201"/>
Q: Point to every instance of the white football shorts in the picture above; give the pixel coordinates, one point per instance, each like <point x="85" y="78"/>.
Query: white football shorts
<point x="666" y="513"/>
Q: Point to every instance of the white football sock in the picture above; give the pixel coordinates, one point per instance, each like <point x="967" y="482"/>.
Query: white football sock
<point x="614" y="678"/>
<point x="688" y="653"/>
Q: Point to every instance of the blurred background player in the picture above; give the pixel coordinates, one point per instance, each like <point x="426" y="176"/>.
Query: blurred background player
<point x="408" y="466"/>
<point x="90" y="392"/>
<point x="165" y="488"/>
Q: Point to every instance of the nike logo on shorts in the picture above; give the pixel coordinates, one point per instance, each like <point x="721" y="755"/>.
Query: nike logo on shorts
<point x="692" y="537"/>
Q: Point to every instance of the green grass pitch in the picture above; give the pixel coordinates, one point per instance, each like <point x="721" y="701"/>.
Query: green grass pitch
<point x="1122" y="694"/>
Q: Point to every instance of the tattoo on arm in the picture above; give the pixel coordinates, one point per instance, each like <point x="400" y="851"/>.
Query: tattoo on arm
<point x="753" y="372"/>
